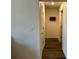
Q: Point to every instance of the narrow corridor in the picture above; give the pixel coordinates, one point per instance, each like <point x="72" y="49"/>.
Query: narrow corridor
<point x="52" y="50"/>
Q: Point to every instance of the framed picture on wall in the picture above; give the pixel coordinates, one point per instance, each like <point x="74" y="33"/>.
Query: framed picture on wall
<point x="52" y="18"/>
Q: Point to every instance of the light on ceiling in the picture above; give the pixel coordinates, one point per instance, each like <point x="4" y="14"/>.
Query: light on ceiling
<point x="53" y="3"/>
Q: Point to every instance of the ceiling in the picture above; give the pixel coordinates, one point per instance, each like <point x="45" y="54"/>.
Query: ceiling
<point x="49" y="5"/>
<point x="55" y="0"/>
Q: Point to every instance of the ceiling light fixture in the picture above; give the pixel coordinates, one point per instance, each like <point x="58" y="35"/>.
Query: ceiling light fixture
<point x="53" y="3"/>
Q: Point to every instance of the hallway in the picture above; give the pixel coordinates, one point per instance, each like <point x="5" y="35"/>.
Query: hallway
<point x="52" y="50"/>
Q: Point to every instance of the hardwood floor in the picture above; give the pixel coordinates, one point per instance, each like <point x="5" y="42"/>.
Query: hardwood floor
<point x="52" y="49"/>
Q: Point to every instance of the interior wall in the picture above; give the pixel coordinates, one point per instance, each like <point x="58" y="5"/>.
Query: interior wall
<point x="52" y="28"/>
<point x="42" y="26"/>
<point x="65" y="30"/>
<point x="25" y="29"/>
<point x="64" y="36"/>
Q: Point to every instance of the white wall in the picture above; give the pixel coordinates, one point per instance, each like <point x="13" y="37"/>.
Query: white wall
<point x="25" y="29"/>
<point x="65" y="30"/>
<point x="52" y="28"/>
<point x="64" y="37"/>
<point x="42" y="26"/>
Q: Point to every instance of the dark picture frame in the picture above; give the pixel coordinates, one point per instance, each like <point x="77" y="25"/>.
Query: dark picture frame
<point x="52" y="18"/>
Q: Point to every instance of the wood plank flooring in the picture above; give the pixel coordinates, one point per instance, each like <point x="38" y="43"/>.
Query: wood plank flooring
<point x="52" y="49"/>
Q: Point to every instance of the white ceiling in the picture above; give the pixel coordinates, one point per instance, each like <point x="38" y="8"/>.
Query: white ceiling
<point x="56" y="4"/>
<point x="55" y="0"/>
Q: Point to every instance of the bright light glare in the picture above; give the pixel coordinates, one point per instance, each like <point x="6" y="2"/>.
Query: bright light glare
<point x="53" y="3"/>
